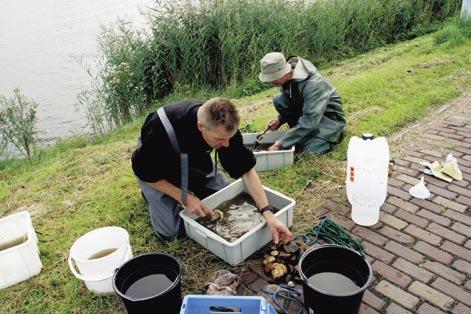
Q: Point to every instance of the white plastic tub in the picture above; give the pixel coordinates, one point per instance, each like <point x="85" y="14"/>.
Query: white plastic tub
<point x="267" y="160"/>
<point x="19" y="253"/>
<point x="237" y="251"/>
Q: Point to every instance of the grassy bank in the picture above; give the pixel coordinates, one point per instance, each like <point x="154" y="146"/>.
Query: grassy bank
<point x="82" y="184"/>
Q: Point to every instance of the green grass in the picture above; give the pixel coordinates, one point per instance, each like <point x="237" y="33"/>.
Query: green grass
<point x="81" y="184"/>
<point x="378" y="101"/>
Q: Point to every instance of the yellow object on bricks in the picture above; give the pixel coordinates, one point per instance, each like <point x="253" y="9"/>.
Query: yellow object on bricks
<point x="446" y="171"/>
<point x="450" y="167"/>
<point x="435" y="169"/>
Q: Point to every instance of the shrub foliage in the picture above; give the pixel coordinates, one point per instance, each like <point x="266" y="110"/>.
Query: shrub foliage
<point x="17" y="123"/>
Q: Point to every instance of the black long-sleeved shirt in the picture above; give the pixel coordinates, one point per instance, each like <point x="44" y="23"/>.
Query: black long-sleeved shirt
<point x="156" y="160"/>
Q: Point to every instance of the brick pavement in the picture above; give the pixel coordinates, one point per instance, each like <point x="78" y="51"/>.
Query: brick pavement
<point x="420" y="250"/>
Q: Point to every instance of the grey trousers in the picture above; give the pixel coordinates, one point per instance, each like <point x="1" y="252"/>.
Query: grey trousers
<point x="164" y="210"/>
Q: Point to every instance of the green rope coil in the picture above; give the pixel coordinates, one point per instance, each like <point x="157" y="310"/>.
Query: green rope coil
<point x="333" y="233"/>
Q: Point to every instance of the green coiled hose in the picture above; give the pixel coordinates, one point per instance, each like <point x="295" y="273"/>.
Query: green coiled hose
<point x="333" y="233"/>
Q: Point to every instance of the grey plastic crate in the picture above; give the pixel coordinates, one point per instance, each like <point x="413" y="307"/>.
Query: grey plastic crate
<point x="267" y="160"/>
<point x="237" y="251"/>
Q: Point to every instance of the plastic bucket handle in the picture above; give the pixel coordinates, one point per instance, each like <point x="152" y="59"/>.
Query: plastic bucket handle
<point x="99" y="278"/>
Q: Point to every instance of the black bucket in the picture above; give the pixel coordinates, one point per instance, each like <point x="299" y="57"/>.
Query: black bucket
<point x="334" y="279"/>
<point x="150" y="283"/>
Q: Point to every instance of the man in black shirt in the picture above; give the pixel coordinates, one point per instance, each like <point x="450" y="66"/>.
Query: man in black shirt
<point x="174" y="157"/>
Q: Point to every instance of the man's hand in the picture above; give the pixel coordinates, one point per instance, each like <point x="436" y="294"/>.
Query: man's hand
<point x="194" y="205"/>
<point x="275" y="147"/>
<point x="278" y="230"/>
<point x="273" y="124"/>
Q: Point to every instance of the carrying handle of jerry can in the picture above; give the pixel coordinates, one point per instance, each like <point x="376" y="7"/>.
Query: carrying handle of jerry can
<point x="72" y="265"/>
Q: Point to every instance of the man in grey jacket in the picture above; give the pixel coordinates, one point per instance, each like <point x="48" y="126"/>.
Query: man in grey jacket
<point x="308" y="102"/>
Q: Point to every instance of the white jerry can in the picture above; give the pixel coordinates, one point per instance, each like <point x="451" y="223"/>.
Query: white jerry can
<point x="367" y="177"/>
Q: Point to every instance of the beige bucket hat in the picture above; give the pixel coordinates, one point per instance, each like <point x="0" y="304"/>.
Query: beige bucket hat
<point x="273" y="66"/>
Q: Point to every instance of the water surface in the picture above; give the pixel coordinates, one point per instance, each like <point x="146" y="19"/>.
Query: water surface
<point x="40" y="42"/>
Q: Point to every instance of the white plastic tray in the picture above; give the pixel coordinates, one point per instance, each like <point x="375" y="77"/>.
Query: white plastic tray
<point x="267" y="160"/>
<point x="20" y="262"/>
<point x="237" y="251"/>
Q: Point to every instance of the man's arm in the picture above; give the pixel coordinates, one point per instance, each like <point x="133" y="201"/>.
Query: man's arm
<point x="193" y="204"/>
<point x="254" y="186"/>
<point x="316" y="96"/>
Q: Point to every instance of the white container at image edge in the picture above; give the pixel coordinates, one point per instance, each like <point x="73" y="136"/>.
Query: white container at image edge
<point x="97" y="273"/>
<point x="19" y="252"/>
<point x="237" y="251"/>
<point x="367" y="177"/>
<point x="269" y="160"/>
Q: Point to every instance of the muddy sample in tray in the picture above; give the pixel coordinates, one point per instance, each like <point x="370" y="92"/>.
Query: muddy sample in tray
<point x="240" y="215"/>
<point x="258" y="148"/>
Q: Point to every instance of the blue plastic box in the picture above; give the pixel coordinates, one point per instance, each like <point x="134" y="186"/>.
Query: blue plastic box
<point x="206" y="304"/>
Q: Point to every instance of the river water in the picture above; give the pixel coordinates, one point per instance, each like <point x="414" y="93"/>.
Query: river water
<point x="40" y="45"/>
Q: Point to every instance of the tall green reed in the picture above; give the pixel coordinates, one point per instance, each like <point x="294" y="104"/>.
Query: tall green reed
<point x="217" y="45"/>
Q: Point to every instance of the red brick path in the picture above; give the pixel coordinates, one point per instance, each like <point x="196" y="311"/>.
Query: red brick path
<point x="421" y="249"/>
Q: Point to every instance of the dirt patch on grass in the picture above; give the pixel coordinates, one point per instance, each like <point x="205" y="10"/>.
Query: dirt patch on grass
<point x="408" y="136"/>
<point x="357" y="115"/>
<point x="254" y="106"/>
<point x="434" y="63"/>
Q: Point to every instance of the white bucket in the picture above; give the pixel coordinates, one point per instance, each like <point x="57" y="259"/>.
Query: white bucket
<point x="97" y="273"/>
<point x="367" y="177"/>
<point x="19" y="253"/>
